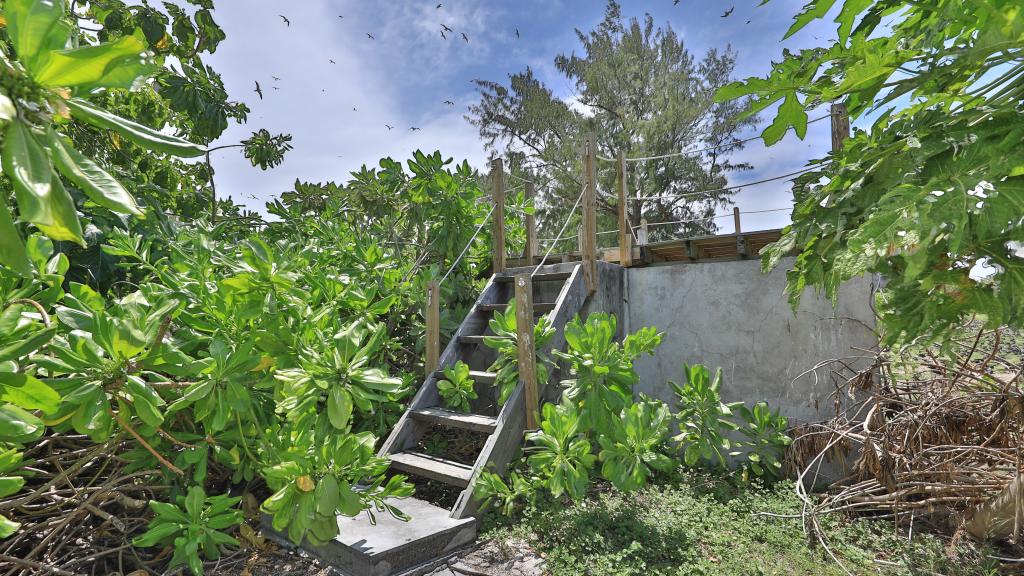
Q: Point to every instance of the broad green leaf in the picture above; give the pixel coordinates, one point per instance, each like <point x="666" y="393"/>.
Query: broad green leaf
<point x="18" y="425"/>
<point x="29" y="23"/>
<point x="10" y="485"/>
<point x="847" y="16"/>
<point x="42" y="199"/>
<point x="28" y="392"/>
<point x="7" y="110"/>
<point x="12" y="249"/>
<point x="813" y="10"/>
<point x="791" y="113"/>
<point x="7" y="527"/>
<point x="137" y="133"/>
<point x="339" y="407"/>
<point x="97" y="66"/>
<point x="97" y="184"/>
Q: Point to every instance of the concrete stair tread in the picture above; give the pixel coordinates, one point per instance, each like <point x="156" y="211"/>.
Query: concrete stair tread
<point x="392" y="546"/>
<point x="433" y="467"/>
<point x="474" y="422"/>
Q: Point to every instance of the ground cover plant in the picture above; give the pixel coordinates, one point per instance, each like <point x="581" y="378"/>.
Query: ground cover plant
<point x="693" y="522"/>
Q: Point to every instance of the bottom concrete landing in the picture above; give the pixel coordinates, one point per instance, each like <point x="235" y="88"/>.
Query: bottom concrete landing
<point x="391" y="546"/>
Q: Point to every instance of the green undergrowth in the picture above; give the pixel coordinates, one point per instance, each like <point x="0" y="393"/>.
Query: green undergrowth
<point x="700" y="524"/>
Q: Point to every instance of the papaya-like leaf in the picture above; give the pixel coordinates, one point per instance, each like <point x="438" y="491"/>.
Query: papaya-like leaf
<point x="137" y="133"/>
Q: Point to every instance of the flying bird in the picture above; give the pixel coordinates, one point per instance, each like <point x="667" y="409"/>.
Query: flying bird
<point x="370" y="36"/>
<point x="439" y="6"/>
<point x="413" y="128"/>
<point x="748" y="22"/>
<point x="286" y="21"/>
<point x="331" y="61"/>
<point x="675" y="2"/>
<point x="354" y="109"/>
<point x="340" y="16"/>
<point x="443" y="36"/>
<point x="728" y="12"/>
<point x="464" y="37"/>
<point x="389" y="127"/>
<point x="259" y="90"/>
<point x="446" y="29"/>
<point x="275" y="87"/>
<point x="276" y="79"/>
<point x="517" y="32"/>
<point x="449" y="102"/>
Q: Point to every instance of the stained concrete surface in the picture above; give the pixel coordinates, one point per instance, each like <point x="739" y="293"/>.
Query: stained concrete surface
<point x="730" y="314"/>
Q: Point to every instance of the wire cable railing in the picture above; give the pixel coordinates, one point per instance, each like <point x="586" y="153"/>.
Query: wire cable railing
<point x="468" y="244"/>
<point x="701" y="150"/>
<point x="558" y="237"/>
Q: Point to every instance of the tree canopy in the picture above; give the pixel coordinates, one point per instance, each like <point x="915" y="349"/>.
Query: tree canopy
<point x="641" y="92"/>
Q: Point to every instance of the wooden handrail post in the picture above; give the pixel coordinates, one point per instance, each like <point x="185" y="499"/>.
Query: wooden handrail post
<point x="840" y="125"/>
<point x="498" y="197"/>
<point x="625" y="235"/>
<point x="433" y="327"/>
<point x="736" y="219"/>
<point x="590" y="214"/>
<point x="527" y="347"/>
<point x="531" y="228"/>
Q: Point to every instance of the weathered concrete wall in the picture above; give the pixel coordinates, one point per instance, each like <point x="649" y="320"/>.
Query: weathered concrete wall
<point x="731" y="315"/>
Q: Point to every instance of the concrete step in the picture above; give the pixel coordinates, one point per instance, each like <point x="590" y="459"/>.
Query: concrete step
<point x="390" y="546"/>
<point x="474" y="422"/>
<point x="433" y="467"/>
<point x="479" y="376"/>
<point x="544" y="277"/>
<point x="538" y="307"/>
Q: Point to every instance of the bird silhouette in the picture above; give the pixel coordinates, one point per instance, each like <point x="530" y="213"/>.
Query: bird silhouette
<point x="443" y="36"/>
<point x="517" y="32"/>
<point x="389" y="127"/>
<point x="439" y="6"/>
<point x="276" y="79"/>
<point x="748" y="22"/>
<point x="331" y="61"/>
<point x="464" y="37"/>
<point x="449" y="102"/>
<point x="354" y="109"/>
<point x="259" y="90"/>
<point x="275" y="87"/>
<point x="728" y="12"/>
<point x="286" y="21"/>
<point x="413" y="128"/>
<point x="340" y="16"/>
<point x="445" y="28"/>
<point x="675" y="2"/>
<point x="370" y="36"/>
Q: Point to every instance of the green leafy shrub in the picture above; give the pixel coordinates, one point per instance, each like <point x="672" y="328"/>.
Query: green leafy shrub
<point x="704" y="420"/>
<point x="766" y="439"/>
<point x="506" y="342"/>
<point x="635" y="448"/>
<point x="457" y="388"/>
<point x="196" y="524"/>
<point x="560" y="456"/>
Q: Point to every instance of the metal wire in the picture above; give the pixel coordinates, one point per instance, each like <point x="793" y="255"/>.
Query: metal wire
<point x="725" y="188"/>
<point x="468" y="244"/>
<point x="560" y="232"/>
<point x="708" y="149"/>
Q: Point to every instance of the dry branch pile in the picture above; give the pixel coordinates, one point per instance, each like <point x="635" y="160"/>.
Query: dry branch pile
<point x="932" y="438"/>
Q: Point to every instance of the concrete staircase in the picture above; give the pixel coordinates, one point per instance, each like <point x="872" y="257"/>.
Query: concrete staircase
<point x="394" y="547"/>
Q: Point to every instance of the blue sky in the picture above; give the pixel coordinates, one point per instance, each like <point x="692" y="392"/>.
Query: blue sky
<point x="404" y="75"/>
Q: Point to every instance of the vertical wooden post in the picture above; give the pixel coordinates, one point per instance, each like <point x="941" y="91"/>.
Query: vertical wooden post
<point x="531" y="229"/>
<point x="433" y="326"/>
<point x="527" y="347"/>
<point x="625" y="236"/>
<point x="641" y="233"/>
<point x="736" y="219"/>
<point x="590" y="214"/>
<point x="498" y="197"/>
<point x="840" y="126"/>
<point x="579" y="239"/>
